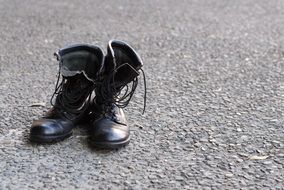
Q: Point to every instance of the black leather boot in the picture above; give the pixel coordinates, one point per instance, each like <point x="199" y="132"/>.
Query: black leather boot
<point x="122" y="66"/>
<point x="79" y="66"/>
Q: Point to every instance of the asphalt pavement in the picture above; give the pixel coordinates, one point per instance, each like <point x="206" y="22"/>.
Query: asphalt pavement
<point x="215" y="106"/>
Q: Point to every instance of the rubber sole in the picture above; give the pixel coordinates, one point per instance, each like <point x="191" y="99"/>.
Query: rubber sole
<point x="49" y="139"/>
<point x="109" y="145"/>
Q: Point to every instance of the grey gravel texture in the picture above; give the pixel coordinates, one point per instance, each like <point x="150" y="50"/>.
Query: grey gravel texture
<point x="215" y="78"/>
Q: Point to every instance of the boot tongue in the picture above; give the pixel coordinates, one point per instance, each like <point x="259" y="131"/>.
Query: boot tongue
<point x="124" y="74"/>
<point x="124" y="63"/>
<point x="72" y="99"/>
<point x="78" y="62"/>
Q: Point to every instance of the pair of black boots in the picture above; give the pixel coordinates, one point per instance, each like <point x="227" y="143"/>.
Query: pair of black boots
<point x="91" y="89"/>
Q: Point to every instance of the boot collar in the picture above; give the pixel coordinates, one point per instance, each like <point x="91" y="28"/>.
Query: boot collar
<point x="80" y="58"/>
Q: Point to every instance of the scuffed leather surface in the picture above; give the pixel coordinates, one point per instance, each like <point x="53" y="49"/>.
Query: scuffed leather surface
<point x="110" y="128"/>
<point x="51" y="125"/>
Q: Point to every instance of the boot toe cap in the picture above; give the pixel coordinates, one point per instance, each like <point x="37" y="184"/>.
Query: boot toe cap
<point x="47" y="130"/>
<point x="44" y="128"/>
<point x="108" y="133"/>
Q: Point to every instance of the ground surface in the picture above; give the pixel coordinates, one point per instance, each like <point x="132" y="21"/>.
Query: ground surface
<point x="215" y="73"/>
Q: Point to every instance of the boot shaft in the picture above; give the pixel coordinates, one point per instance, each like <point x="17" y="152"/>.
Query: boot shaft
<point x="80" y="58"/>
<point x="79" y="66"/>
<point x="121" y="67"/>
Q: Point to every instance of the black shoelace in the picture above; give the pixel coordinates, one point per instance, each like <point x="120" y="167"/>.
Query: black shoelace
<point x="70" y="100"/>
<point x="112" y="94"/>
